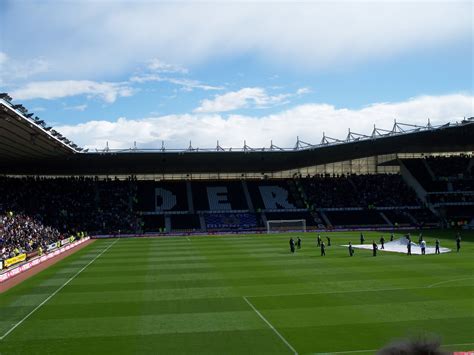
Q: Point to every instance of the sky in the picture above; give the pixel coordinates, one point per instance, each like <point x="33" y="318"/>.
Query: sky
<point x="153" y="72"/>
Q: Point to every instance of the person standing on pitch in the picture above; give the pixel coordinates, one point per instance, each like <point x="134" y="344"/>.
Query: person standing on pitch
<point x="409" y="247"/>
<point x="362" y="238"/>
<point x="329" y="241"/>
<point x="351" y="249"/>
<point x="298" y="243"/>
<point x="292" y="245"/>
<point x="391" y="237"/>
<point x="458" y="243"/>
<point x="323" y="249"/>
<point x="374" y="248"/>
<point x="319" y="240"/>
<point x="382" y="242"/>
<point x="437" y="246"/>
<point x="423" y="247"/>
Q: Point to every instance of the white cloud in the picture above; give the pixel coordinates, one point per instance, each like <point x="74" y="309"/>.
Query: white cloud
<point x="303" y="91"/>
<point x="306" y="121"/>
<point x="244" y="98"/>
<point x="51" y="90"/>
<point x="14" y="69"/>
<point x="80" y="108"/>
<point x="111" y="37"/>
<point x="186" y="84"/>
<point x="3" y="58"/>
<point x="159" y="66"/>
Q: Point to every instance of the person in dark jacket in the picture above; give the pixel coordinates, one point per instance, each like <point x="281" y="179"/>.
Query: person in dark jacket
<point x="374" y="248"/>
<point x="292" y="245"/>
<point x="323" y="249"/>
<point x="351" y="249"/>
<point x="382" y="242"/>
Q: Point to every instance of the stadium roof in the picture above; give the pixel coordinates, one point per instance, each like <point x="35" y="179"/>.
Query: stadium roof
<point x="27" y="146"/>
<point x="23" y="137"/>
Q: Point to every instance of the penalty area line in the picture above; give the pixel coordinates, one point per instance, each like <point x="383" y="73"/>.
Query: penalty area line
<point x="55" y="292"/>
<point x="271" y="326"/>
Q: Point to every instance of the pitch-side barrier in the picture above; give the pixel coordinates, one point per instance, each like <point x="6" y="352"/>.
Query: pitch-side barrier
<point x="41" y="259"/>
<point x="183" y="234"/>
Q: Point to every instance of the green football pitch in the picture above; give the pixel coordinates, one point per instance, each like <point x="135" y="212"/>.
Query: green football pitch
<point x="241" y="295"/>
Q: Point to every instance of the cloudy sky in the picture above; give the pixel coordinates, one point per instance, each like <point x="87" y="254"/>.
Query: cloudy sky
<point x="149" y="71"/>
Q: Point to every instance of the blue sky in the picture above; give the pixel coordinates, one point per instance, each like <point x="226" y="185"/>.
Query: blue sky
<point x="154" y="71"/>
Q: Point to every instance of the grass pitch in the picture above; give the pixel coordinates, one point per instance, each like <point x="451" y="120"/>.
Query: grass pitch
<point x="241" y="295"/>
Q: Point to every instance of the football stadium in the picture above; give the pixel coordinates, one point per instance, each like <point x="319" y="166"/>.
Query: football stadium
<point x="244" y="250"/>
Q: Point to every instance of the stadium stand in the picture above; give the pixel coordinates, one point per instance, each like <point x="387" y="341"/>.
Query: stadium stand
<point x="265" y="185"/>
<point x="219" y="196"/>
<point x="161" y="197"/>
<point x="132" y="206"/>
<point x="23" y="234"/>
<point x="358" y="218"/>
<point x="278" y="194"/>
<point x="232" y="221"/>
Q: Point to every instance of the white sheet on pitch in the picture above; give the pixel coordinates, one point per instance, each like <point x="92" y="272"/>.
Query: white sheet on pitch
<point x="400" y="246"/>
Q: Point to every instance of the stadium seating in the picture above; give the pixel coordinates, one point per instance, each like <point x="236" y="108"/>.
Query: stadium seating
<point x="161" y="197"/>
<point x="356" y="218"/>
<point x="232" y="221"/>
<point x="449" y="167"/>
<point x="278" y="194"/>
<point x="134" y="206"/>
<point x="24" y="234"/>
<point x="219" y="196"/>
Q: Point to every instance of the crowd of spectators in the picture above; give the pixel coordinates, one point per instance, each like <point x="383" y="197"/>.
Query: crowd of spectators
<point x="451" y="198"/>
<point x="379" y="190"/>
<point x="72" y="204"/>
<point x="23" y="234"/>
<point x="452" y="166"/>
<point x="45" y="209"/>
<point x="388" y="190"/>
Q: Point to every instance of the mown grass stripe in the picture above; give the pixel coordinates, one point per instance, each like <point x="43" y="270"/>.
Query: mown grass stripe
<point x="54" y="293"/>
<point x="375" y="350"/>
<point x="174" y="295"/>
<point x="271" y="326"/>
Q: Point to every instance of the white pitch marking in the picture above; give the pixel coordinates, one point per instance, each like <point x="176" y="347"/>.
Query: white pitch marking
<point x="445" y="282"/>
<point x="271" y="326"/>
<point x="55" y="292"/>
<point x="354" y="291"/>
<point x="346" y="352"/>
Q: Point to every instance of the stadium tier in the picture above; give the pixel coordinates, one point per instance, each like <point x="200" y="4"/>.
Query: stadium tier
<point x="137" y="206"/>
